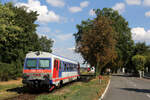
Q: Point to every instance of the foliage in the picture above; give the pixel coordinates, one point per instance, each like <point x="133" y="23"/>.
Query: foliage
<point x="124" y="45"/>
<point x="140" y="48"/>
<point x="95" y="41"/>
<point x="139" y="61"/>
<point x="45" y="44"/>
<point x="121" y="34"/>
<point x="17" y="37"/>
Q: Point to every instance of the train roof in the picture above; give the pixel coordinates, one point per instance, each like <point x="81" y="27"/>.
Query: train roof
<point x="39" y="54"/>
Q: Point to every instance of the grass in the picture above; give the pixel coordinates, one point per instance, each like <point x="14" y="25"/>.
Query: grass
<point x="91" y="90"/>
<point x="4" y="86"/>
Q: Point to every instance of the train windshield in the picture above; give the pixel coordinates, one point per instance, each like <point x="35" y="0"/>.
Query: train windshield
<point x="44" y="63"/>
<point x="31" y="63"/>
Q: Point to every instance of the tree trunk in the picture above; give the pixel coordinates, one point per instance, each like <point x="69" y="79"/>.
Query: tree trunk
<point x="97" y="69"/>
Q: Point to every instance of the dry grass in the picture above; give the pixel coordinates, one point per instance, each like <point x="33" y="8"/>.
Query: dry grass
<point x="4" y="86"/>
<point x="18" y="81"/>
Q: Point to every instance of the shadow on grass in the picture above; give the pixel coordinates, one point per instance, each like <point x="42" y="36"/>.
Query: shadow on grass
<point x="25" y="89"/>
<point x="28" y="90"/>
<point x="137" y="90"/>
<point x="86" y="78"/>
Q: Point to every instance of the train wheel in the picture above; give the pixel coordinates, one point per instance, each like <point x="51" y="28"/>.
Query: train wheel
<point x="60" y="84"/>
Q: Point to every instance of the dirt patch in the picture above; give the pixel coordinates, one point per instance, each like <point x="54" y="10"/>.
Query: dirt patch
<point x="24" y="97"/>
<point x="18" y="81"/>
<point x="62" y="91"/>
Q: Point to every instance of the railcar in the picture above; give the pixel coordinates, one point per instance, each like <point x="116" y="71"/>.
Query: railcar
<point x="46" y="70"/>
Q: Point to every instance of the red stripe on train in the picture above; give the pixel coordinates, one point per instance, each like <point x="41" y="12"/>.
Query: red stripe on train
<point x="65" y="78"/>
<point x="36" y="71"/>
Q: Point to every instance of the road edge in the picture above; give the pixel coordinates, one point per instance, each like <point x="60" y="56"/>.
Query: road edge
<point x="105" y="90"/>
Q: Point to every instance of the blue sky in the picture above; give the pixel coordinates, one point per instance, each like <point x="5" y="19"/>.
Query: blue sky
<point x="58" y="19"/>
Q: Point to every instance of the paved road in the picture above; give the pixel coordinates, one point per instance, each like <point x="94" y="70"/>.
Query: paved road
<point x="128" y="88"/>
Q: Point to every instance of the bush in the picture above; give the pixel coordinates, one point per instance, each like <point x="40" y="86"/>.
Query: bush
<point x="139" y="62"/>
<point x="7" y="71"/>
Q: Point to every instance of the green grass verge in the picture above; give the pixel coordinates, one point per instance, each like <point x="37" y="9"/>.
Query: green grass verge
<point x="91" y="90"/>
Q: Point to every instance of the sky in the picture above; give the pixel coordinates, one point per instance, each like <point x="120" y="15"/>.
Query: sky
<point x="58" y="19"/>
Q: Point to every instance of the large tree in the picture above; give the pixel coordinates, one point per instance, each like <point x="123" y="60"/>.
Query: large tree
<point x="124" y="46"/>
<point x="17" y="37"/>
<point x="95" y="41"/>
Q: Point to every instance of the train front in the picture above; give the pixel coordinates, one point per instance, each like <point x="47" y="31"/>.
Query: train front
<point x="37" y="70"/>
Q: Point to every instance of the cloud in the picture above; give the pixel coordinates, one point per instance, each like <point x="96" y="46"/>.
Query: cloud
<point x="91" y="12"/>
<point x="147" y="14"/>
<point x="146" y="2"/>
<point x="140" y="34"/>
<point x="120" y="7"/>
<point x="44" y="29"/>
<point x="84" y="4"/>
<point x="72" y="48"/>
<point x="56" y="3"/>
<point x="64" y="36"/>
<point x="133" y="2"/>
<point x="76" y="9"/>
<point x="45" y="15"/>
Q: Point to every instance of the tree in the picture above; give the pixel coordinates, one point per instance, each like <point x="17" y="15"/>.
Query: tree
<point x="45" y="44"/>
<point x="17" y="37"/>
<point x="140" y="48"/>
<point x="139" y="61"/>
<point x="124" y="45"/>
<point x="95" y="42"/>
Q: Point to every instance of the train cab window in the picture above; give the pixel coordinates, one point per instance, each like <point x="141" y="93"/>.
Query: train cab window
<point x="31" y="63"/>
<point x="44" y="63"/>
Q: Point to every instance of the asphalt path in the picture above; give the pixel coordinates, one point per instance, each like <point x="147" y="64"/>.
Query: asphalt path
<point x="128" y="88"/>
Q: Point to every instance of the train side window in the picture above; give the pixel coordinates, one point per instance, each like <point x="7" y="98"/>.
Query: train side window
<point x="67" y="67"/>
<point x="64" y="67"/>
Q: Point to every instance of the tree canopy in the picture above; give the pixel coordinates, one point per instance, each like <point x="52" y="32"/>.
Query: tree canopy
<point x="17" y="37"/>
<point x="95" y="40"/>
<point x="118" y="43"/>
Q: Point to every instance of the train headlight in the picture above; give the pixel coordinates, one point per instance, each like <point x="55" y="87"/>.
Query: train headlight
<point x="25" y="76"/>
<point x="46" y="76"/>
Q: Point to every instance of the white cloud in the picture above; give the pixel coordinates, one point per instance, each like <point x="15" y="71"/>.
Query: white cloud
<point x="44" y="29"/>
<point x="133" y="2"/>
<point x="76" y="9"/>
<point x="44" y="14"/>
<point x="84" y="4"/>
<point x="91" y="12"/>
<point x="146" y="2"/>
<point x="72" y="48"/>
<point x="120" y="7"/>
<point x="147" y="14"/>
<point x="56" y="3"/>
<point x="64" y="36"/>
<point x="140" y="34"/>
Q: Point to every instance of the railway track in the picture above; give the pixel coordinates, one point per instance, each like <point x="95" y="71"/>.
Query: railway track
<point x="29" y="94"/>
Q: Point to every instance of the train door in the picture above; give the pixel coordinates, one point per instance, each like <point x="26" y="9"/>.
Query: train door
<point x="60" y="68"/>
<point x="56" y="68"/>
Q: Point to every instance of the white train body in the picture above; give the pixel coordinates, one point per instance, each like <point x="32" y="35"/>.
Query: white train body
<point x="42" y="69"/>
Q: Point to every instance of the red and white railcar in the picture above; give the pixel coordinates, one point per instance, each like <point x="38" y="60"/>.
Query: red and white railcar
<point x="46" y="70"/>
